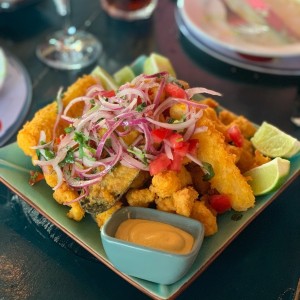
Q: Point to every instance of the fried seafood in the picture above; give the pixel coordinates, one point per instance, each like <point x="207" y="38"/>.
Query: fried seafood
<point x="147" y="144"/>
<point x="228" y="179"/>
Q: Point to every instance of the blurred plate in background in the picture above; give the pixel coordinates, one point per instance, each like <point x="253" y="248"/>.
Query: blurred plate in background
<point x="288" y="66"/>
<point x="15" y="98"/>
<point x="248" y="27"/>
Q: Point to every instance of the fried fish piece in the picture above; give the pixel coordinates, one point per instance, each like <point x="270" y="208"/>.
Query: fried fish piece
<point x="109" y="190"/>
<point x="45" y="119"/>
<point x="140" y="197"/>
<point x="203" y="214"/>
<point x="228" y="179"/>
<point x="102" y="217"/>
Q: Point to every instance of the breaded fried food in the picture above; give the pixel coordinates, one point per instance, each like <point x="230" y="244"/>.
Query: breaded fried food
<point x="165" y="204"/>
<point x="44" y="119"/>
<point x="184" y="200"/>
<point x="229" y="118"/>
<point x="204" y="215"/>
<point x="143" y="197"/>
<point x="164" y="184"/>
<point x="109" y="190"/>
<point x="64" y="194"/>
<point x="228" y="179"/>
<point x="101" y="218"/>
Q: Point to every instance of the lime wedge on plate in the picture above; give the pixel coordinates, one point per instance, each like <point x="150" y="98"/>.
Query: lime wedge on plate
<point x="106" y="79"/>
<point x="273" y="142"/>
<point x="3" y="67"/>
<point x="156" y="63"/>
<point x="137" y="65"/>
<point x="124" y="75"/>
<point x="268" y="176"/>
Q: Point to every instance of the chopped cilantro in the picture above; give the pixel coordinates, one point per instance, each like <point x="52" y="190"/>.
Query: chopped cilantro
<point x="141" y="107"/>
<point x="210" y="171"/>
<point x="69" y="129"/>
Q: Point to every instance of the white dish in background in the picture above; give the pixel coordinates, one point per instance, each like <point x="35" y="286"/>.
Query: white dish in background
<point x="15" y="98"/>
<point x="288" y="66"/>
<point x="3" y="67"/>
<point x="211" y="22"/>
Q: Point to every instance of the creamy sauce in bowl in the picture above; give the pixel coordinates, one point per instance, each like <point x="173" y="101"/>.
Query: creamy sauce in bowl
<point x="155" y="235"/>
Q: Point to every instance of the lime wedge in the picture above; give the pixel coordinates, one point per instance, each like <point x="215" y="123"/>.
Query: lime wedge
<point x="3" y="67"/>
<point x="156" y="63"/>
<point x="273" y="142"/>
<point x="137" y="65"/>
<point x="124" y="75"/>
<point x="268" y="176"/>
<point x="106" y="79"/>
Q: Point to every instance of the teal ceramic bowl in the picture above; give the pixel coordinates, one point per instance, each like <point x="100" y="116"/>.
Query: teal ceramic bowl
<point x="148" y="263"/>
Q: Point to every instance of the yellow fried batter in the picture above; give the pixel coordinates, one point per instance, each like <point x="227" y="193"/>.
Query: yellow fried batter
<point x="44" y="120"/>
<point x="184" y="200"/>
<point x="165" y="204"/>
<point x="204" y="215"/>
<point x="104" y="216"/>
<point x="166" y="183"/>
<point x="230" y="119"/>
<point x="228" y="179"/>
<point x="143" y="197"/>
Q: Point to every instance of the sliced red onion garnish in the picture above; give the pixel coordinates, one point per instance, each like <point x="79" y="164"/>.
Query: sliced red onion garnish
<point x="200" y="90"/>
<point x="95" y="142"/>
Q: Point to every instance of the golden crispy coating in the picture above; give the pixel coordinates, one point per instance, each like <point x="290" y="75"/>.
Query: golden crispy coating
<point x="165" y="204"/>
<point x="45" y="118"/>
<point x="228" y="179"/>
<point x="64" y="194"/>
<point x="260" y="159"/>
<point x="166" y="183"/>
<point x="210" y="102"/>
<point x="230" y="119"/>
<point x="101" y="218"/>
<point x="204" y="215"/>
<point x="184" y="200"/>
<point x="141" y="198"/>
<point x="184" y="177"/>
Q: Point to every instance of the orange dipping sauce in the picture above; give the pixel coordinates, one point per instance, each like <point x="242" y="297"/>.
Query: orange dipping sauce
<point x="155" y="235"/>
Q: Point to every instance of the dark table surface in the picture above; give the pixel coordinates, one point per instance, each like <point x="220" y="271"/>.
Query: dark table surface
<point x="38" y="261"/>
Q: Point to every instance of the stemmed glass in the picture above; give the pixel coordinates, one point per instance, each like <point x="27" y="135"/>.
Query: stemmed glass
<point x="69" y="48"/>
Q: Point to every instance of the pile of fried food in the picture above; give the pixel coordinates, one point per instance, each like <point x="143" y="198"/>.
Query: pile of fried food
<point x="198" y="185"/>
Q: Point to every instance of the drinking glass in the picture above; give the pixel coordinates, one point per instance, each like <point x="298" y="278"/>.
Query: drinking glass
<point x="69" y="48"/>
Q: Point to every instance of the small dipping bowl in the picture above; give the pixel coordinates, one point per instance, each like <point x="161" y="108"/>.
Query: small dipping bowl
<point x="148" y="263"/>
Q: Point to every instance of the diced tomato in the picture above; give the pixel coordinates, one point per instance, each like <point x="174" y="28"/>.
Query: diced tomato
<point x="58" y="139"/>
<point x="176" y="140"/>
<point x="175" y="91"/>
<point x="176" y="163"/>
<point x="193" y="145"/>
<point x="110" y="93"/>
<point x="220" y="203"/>
<point x="183" y="149"/>
<point x="160" y="134"/>
<point x="35" y="177"/>
<point x="235" y="135"/>
<point x="159" y="164"/>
